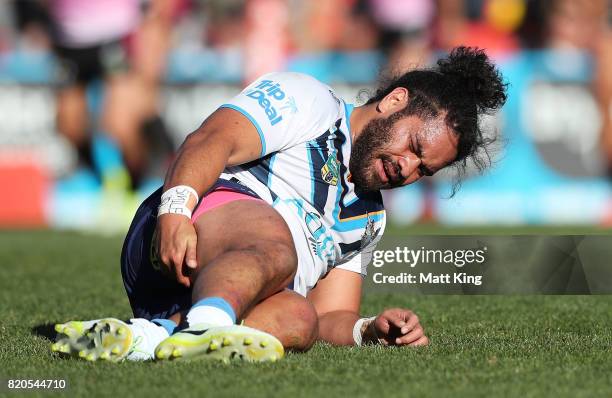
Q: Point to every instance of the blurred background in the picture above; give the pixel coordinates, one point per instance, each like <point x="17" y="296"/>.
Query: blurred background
<point x="96" y="96"/>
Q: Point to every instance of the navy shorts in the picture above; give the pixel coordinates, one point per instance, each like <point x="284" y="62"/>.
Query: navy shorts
<point x="152" y="294"/>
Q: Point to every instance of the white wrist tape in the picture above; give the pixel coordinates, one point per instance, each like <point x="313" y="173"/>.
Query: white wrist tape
<point x="175" y="200"/>
<point x="357" y="336"/>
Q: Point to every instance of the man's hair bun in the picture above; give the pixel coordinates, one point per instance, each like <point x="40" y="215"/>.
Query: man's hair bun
<point x="469" y="69"/>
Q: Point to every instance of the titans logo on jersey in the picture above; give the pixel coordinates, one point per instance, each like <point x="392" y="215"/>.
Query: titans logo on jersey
<point x="303" y="173"/>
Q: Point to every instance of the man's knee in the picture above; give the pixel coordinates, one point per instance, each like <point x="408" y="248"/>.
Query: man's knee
<point x="289" y="317"/>
<point x="262" y="234"/>
<point x="306" y="326"/>
<point x="280" y="258"/>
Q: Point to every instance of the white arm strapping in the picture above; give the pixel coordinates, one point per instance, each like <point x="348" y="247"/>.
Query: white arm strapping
<point x="175" y="200"/>
<point x="357" y="336"/>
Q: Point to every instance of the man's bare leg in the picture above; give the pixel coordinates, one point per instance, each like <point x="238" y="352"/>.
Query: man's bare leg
<point x="246" y="254"/>
<point x="73" y="121"/>
<point x="286" y="315"/>
<point x="289" y="317"/>
<point x="127" y="105"/>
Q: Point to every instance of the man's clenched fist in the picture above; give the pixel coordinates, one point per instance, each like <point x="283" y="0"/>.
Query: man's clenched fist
<point x="398" y="326"/>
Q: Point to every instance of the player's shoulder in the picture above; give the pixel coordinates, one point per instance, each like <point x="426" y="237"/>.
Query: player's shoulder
<point x="299" y="88"/>
<point x="300" y="105"/>
<point x="294" y="79"/>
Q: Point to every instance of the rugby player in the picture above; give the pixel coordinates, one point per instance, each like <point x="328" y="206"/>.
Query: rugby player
<point x="259" y="239"/>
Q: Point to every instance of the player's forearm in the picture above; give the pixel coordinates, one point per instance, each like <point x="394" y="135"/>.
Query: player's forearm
<point x="336" y="327"/>
<point x="199" y="162"/>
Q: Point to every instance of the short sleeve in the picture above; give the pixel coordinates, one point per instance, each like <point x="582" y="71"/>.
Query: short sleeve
<point x="355" y="264"/>
<point x="360" y="262"/>
<point x="286" y="108"/>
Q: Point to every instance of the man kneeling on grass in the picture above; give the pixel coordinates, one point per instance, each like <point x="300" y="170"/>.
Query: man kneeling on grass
<point x="260" y="237"/>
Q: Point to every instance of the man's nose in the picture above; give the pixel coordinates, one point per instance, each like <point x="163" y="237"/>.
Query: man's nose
<point x="408" y="165"/>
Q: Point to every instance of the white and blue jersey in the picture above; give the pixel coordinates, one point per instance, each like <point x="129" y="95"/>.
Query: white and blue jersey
<point x="303" y="173"/>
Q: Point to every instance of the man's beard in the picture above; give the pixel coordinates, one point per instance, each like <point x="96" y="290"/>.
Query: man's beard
<point x="366" y="149"/>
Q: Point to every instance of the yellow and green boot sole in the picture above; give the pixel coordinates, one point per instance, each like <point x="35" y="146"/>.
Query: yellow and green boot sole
<point x="107" y="339"/>
<point x="222" y="343"/>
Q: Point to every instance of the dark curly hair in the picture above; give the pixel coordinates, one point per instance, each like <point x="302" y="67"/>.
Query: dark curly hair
<point x="465" y="84"/>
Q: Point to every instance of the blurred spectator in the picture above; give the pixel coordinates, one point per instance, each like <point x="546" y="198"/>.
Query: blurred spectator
<point x="488" y="24"/>
<point x="574" y="27"/>
<point x="33" y="23"/>
<point x="317" y="28"/>
<point x="266" y="40"/>
<point x="225" y="27"/>
<point x="603" y="89"/>
<point x="116" y="41"/>
<point x="199" y="51"/>
<point x="318" y="24"/>
<point x="575" y="24"/>
<point x="405" y="31"/>
<point x="335" y="41"/>
<point x="131" y="113"/>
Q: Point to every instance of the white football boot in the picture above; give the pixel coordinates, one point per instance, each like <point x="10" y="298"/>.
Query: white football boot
<point x="108" y="339"/>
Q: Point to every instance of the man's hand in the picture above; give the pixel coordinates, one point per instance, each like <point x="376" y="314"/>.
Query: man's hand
<point x="398" y="326"/>
<point x="226" y="138"/>
<point x="176" y="244"/>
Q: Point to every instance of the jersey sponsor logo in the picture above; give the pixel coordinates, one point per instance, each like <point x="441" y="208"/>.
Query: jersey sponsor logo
<point x="268" y="93"/>
<point x="331" y="170"/>
<point x="290" y="105"/>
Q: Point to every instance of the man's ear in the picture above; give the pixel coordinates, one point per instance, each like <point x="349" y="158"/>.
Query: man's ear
<point x="394" y="101"/>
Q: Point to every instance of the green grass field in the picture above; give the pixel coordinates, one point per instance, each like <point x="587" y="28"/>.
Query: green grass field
<point x="519" y="346"/>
